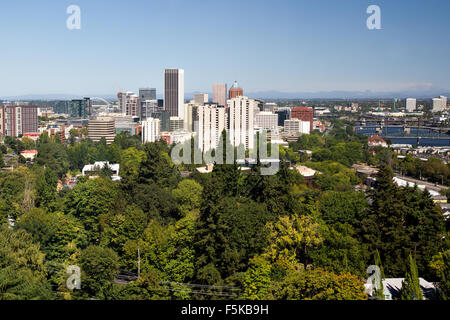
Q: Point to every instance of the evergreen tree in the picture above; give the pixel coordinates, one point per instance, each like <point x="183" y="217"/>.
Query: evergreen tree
<point x="379" y="293"/>
<point x="411" y="285"/>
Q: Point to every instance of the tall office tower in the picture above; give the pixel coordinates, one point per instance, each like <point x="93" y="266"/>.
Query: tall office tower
<point x="266" y="120"/>
<point x="444" y="102"/>
<point x="174" y="92"/>
<point x="80" y="108"/>
<point x="148" y="107"/>
<point x="283" y="114"/>
<point x="235" y="91"/>
<point x="150" y="130"/>
<point x="164" y="117"/>
<point x="129" y="103"/>
<point x="438" y="105"/>
<point x="220" y="94"/>
<point x="101" y="127"/>
<point x="201" y="99"/>
<point x="304" y="114"/>
<point x="17" y="120"/>
<point x="241" y="121"/>
<point x="210" y="121"/>
<point x="410" y="104"/>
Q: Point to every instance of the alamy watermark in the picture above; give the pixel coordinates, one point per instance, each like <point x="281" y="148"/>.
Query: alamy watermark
<point x="73" y="22"/>
<point x="257" y="148"/>
<point x="374" y="20"/>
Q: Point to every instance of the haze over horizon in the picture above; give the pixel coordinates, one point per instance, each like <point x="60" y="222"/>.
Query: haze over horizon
<point x="285" y="46"/>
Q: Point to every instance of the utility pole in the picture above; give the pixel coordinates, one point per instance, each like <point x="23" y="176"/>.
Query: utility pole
<point x="139" y="263"/>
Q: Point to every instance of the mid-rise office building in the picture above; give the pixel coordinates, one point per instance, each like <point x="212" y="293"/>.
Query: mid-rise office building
<point x="210" y="121"/>
<point x="80" y="108"/>
<point x="129" y="103"/>
<point x="235" y="91"/>
<point x="266" y="120"/>
<point x="147" y="94"/>
<point x="220" y="94"/>
<point x="270" y="106"/>
<point x="201" y="98"/>
<point x="148" y="107"/>
<point x="174" y="92"/>
<point x="241" y="121"/>
<point x="176" y="124"/>
<point x="297" y="126"/>
<point x="283" y="114"/>
<point x="101" y="127"/>
<point x="150" y="130"/>
<point x="411" y="104"/>
<point x="304" y="114"/>
<point x="18" y="120"/>
<point x="164" y="117"/>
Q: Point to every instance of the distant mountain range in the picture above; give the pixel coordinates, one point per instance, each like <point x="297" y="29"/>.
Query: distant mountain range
<point x="266" y="95"/>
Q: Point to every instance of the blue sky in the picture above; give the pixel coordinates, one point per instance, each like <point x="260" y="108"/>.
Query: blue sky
<point x="291" y="46"/>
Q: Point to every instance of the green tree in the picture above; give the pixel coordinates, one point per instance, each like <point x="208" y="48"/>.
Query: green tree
<point x="411" y="286"/>
<point x="22" y="271"/>
<point x="98" y="266"/>
<point x="318" y="285"/>
<point x="188" y="195"/>
<point x="257" y="279"/>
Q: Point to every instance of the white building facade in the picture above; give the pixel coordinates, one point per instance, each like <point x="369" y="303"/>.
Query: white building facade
<point x="212" y="121"/>
<point x="150" y="130"/>
<point x="266" y="120"/>
<point x="241" y="115"/>
<point x="411" y="104"/>
<point x="297" y="126"/>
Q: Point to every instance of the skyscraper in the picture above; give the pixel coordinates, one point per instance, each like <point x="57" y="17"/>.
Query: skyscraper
<point x="438" y="105"/>
<point x="17" y="120"/>
<point x="410" y="104"/>
<point x="444" y="101"/>
<point x="235" y="91"/>
<point x="174" y="92"/>
<point x="220" y="94"/>
<point x="241" y="110"/>
<point x="210" y="122"/>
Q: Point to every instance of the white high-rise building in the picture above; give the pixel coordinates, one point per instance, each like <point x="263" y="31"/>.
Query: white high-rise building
<point x="444" y="102"/>
<point x="411" y="104"/>
<point x="174" y="92"/>
<point x="129" y="103"/>
<point x="241" y="110"/>
<point x="297" y="126"/>
<point x="266" y="120"/>
<point x="150" y="130"/>
<point x="211" y="121"/>
<point x="438" y="105"/>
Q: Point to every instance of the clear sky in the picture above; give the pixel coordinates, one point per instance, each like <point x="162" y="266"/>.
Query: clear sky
<point x="291" y="46"/>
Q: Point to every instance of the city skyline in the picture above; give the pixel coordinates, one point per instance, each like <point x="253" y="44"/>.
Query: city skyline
<point x="287" y="46"/>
